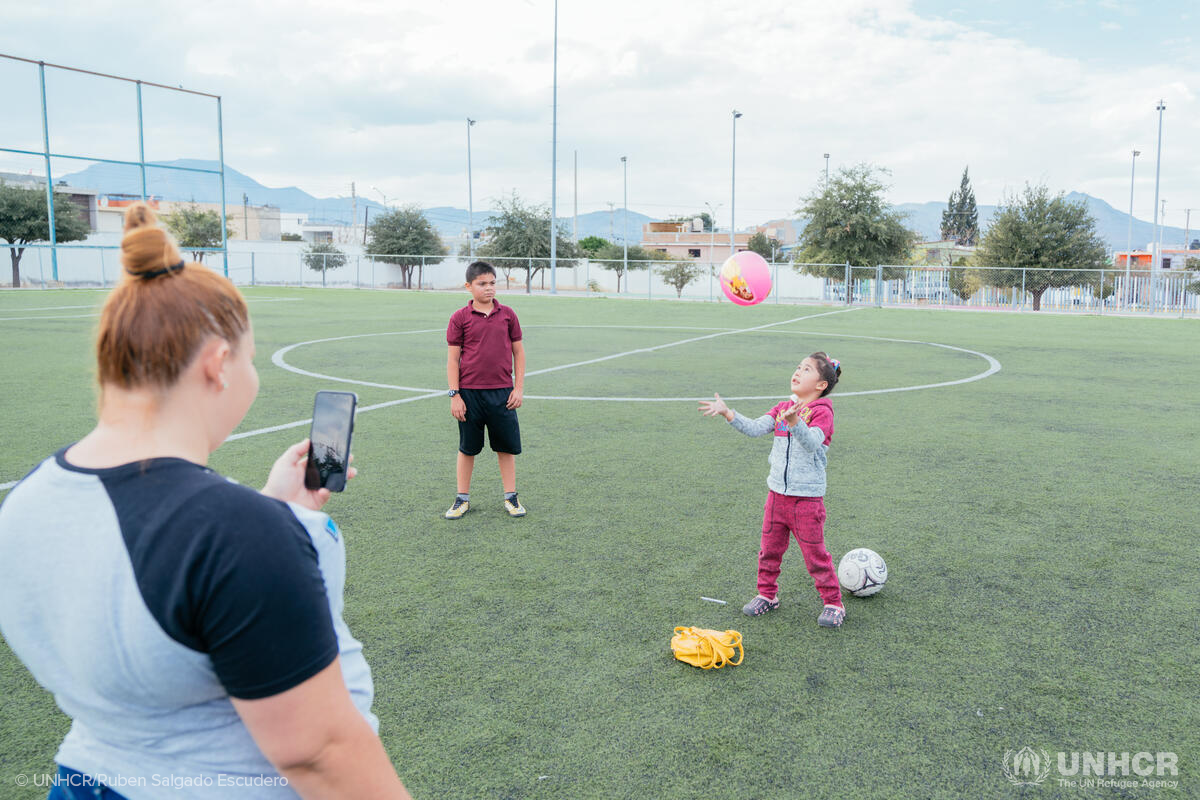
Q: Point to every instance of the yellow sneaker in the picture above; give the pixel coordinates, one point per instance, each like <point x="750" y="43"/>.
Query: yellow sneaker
<point x="459" y="508"/>
<point x="514" y="507"/>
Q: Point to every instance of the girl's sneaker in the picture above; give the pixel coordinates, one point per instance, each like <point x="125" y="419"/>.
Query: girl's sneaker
<point x="759" y="606"/>
<point x="831" y="617"/>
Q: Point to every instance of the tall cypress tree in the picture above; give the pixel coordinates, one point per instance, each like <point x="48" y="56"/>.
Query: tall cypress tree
<point x="960" y="220"/>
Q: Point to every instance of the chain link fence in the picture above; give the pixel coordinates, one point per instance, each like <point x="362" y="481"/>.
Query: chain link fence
<point x="287" y="264"/>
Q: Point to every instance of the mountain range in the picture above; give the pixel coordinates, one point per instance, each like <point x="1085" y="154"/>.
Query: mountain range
<point x="451" y="222"/>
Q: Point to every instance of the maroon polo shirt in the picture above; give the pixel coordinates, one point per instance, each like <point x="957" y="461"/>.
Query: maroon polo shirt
<point x="486" y="341"/>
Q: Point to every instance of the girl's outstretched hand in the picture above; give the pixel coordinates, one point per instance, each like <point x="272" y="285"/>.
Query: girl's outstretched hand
<point x="711" y="408"/>
<point x="791" y="415"/>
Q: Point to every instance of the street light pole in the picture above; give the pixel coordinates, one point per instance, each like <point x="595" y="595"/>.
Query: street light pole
<point x="733" y="186"/>
<point x="625" y="223"/>
<point x="384" y="196"/>
<point x="827" y="170"/>
<point x="712" y="228"/>
<point x="470" y="197"/>
<point x="1129" y="237"/>
<point x="554" y="168"/>
<point x="1155" y="259"/>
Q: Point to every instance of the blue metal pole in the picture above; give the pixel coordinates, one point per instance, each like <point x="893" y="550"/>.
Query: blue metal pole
<point x="221" y="153"/>
<point x="141" y="141"/>
<point x="49" y="177"/>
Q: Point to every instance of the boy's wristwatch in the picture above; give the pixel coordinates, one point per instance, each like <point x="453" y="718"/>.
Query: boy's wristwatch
<point x="452" y="392"/>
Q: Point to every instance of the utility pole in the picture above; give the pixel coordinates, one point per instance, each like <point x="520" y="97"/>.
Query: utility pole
<point x="245" y="217"/>
<point x="1129" y="236"/>
<point x="712" y="228"/>
<point x="1156" y="258"/>
<point x="1162" y="218"/>
<point x="733" y="186"/>
<point x="1187" y="232"/>
<point x="554" y="169"/>
<point x="625" y="223"/>
<point x="470" y="197"/>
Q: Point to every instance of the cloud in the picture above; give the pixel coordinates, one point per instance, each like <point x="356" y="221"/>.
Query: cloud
<point x="378" y="93"/>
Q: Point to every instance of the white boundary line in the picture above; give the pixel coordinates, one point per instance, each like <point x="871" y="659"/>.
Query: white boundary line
<point x="85" y="316"/>
<point x="277" y="360"/>
<point x="54" y="308"/>
<point x="426" y="394"/>
<point x="993" y="364"/>
<point x="51" y="316"/>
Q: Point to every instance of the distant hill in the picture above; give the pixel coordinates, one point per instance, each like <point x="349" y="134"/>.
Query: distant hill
<point x="206" y="188"/>
<point x="451" y="222"/>
<point x="1113" y="225"/>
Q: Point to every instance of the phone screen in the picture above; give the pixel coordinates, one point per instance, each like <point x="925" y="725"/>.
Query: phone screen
<point x="329" y="441"/>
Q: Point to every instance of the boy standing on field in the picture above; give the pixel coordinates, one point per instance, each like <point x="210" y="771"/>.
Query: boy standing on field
<point x="485" y="370"/>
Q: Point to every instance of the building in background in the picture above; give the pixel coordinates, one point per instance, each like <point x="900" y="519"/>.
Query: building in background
<point x="689" y="241"/>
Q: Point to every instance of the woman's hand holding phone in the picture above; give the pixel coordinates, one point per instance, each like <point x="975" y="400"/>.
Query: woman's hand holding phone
<point x="286" y="481"/>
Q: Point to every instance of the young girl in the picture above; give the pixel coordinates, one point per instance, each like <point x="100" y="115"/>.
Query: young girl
<point x="803" y="428"/>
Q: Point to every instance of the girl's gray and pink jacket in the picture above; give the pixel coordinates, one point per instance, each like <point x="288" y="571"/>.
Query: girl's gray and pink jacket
<point x="798" y="453"/>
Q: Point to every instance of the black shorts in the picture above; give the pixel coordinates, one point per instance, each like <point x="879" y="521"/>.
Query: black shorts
<point x="488" y="408"/>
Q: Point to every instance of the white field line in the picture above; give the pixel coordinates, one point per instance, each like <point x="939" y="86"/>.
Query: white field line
<point x="277" y="358"/>
<point x="683" y="341"/>
<point x="993" y="364"/>
<point x="51" y="316"/>
<point x="96" y="314"/>
<point x="301" y="422"/>
<point x="993" y="368"/>
<point x="55" y="308"/>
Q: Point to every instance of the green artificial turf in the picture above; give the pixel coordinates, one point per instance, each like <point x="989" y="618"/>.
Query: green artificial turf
<point x="1039" y="527"/>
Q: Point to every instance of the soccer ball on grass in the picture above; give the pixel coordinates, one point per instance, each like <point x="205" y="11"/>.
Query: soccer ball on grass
<point x="862" y="572"/>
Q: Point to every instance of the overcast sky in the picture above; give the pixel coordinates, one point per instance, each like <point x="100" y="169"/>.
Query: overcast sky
<point x="377" y="92"/>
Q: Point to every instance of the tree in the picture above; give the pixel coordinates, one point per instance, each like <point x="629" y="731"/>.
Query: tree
<point x="1037" y="242"/>
<point x="290" y="237"/>
<point x="323" y="256"/>
<point x="960" y="220"/>
<point x="767" y="248"/>
<point x="23" y="220"/>
<point x="193" y="228"/>
<point x="518" y="231"/>
<point x="1192" y="265"/>
<point x="680" y="274"/>
<point x="962" y="281"/>
<point x="614" y="258"/>
<point x="590" y="245"/>
<point x="404" y="237"/>
<point x="849" y="222"/>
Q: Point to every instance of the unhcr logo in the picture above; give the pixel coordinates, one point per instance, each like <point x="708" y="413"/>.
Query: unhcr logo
<point x="1026" y="767"/>
<point x="1093" y="770"/>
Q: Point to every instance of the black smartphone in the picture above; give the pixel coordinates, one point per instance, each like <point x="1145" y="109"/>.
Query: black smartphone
<point x="329" y="441"/>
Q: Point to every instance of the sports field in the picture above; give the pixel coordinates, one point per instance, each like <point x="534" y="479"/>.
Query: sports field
<point x="1039" y="524"/>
